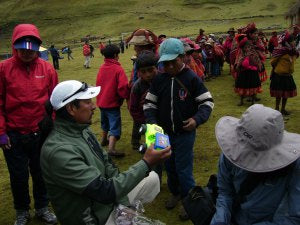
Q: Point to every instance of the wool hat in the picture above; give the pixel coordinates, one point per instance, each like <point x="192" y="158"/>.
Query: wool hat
<point x="257" y="142"/>
<point x="170" y="49"/>
<point x="67" y="91"/>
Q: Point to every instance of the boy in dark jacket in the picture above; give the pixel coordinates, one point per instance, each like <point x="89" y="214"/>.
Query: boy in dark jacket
<point x="147" y="70"/>
<point x="114" y="89"/>
<point x="179" y="102"/>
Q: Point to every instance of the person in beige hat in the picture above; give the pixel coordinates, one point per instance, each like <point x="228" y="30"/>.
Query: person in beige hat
<point x="143" y="40"/>
<point x="259" y="170"/>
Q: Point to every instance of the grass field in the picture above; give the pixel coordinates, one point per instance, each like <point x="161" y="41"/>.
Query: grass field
<point x="206" y="149"/>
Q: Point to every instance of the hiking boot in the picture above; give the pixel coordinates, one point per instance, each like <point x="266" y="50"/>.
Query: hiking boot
<point x="22" y="217"/>
<point x="46" y="216"/>
<point x="172" y="201"/>
<point x="182" y="214"/>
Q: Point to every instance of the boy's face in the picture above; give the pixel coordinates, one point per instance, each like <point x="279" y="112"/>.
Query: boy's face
<point x="148" y="73"/>
<point x="173" y="67"/>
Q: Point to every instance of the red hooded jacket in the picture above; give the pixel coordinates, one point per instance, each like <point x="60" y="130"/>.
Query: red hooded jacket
<point x="114" y="84"/>
<point x="24" y="87"/>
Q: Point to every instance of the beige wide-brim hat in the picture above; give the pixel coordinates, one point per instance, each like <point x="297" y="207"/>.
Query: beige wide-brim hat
<point x="257" y="142"/>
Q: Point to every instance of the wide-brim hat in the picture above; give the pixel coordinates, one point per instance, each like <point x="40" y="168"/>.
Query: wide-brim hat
<point x="257" y="142"/>
<point x="142" y="37"/>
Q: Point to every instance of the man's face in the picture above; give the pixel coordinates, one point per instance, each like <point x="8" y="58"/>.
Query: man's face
<point x="174" y="66"/>
<point x="26" y="55"/>
<point x="84" y="113"/>
<point x="148" y="73"/>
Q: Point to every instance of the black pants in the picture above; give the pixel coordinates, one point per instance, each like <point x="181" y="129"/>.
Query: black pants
<point x="135" y="135"/>
<point x="55" y="63"/>
<point x="22" y="158"/>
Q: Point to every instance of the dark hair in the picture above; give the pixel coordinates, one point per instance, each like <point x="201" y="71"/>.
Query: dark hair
<point x="46" y="124"/>
<point x="146" y="58"/>
<point x="110" y="51"/>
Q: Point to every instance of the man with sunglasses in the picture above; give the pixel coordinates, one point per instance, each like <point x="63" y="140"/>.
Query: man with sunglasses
<point x="26" y="84"/>
<point x="83" y="183"/>
<point x="179" y="102"/>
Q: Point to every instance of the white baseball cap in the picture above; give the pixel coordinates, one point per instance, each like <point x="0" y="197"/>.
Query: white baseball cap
<point x="68" y="91"/>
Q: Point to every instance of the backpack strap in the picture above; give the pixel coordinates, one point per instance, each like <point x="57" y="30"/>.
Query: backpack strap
<point x="182" y="85"/>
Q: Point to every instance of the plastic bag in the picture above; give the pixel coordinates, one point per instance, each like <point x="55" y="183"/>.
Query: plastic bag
<point x="133" y="216"/>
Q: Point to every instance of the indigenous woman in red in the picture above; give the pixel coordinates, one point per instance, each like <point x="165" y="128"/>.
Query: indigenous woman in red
<point x="247" y="65"/>
<point x="252" y="33"/>
<point x="282" y="84"/>
<point x="227" y="45"/>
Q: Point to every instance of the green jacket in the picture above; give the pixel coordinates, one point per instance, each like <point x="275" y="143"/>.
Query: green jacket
<point x="82" y="182"/>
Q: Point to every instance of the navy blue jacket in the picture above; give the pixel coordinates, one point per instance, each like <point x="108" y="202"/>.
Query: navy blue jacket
<point x="168" y="103"/>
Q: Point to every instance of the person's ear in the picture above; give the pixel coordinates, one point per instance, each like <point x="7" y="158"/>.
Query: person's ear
<point x="71" y="109"/>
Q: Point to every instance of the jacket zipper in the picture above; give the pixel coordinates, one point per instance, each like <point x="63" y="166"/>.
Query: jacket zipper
<point x="172" y="108"/>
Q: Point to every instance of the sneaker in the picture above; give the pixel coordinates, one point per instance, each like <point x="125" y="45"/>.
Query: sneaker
<point x="46" y="216"/>
<point x="172" y="201"/>
<point x="23" y="217"/>
<point x="182" y="214"/>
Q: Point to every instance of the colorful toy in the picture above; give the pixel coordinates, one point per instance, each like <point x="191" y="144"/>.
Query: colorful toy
<point x="154" y="134"/>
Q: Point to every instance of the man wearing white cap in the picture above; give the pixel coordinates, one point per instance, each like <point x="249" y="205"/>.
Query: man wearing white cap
<point x="259" y="170"/>
<point x="26" y="83"/>
<point x="83" y="184"/>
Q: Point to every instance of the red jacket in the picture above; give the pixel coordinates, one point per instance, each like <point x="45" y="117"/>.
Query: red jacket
<point x="24" y="88"/>
<point x="114" y="84"/>
<point x="86" y="50"/>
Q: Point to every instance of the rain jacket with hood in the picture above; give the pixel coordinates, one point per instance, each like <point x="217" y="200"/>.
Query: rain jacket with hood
<point x="24" y="87"/>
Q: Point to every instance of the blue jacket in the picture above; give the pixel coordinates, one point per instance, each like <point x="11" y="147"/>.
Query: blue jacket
<point x="270" y="203"/>
<point x="168" y="103"/>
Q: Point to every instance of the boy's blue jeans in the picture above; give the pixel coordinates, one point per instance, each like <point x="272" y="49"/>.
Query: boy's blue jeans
<point x="111" y="121"/>
<point x="179" y="166"/>
<point x="22" y="158"/>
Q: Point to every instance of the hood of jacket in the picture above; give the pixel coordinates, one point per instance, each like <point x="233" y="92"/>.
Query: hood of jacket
<point x="23" y="30"/>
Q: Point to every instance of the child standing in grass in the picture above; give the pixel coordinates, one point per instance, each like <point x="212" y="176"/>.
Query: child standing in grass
<point x="146" y="67"/>
<point x="114" y="89"/>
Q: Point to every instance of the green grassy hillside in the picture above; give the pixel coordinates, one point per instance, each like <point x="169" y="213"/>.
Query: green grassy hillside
<point x="65" y="21"/>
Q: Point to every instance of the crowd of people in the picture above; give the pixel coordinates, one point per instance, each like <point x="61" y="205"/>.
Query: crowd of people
<point x="44" y="127"/>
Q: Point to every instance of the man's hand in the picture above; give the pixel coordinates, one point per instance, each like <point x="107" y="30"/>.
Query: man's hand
<point x="5" y="142"/>
<point x="189" y="124"/>
<point x="154" y="157"/>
